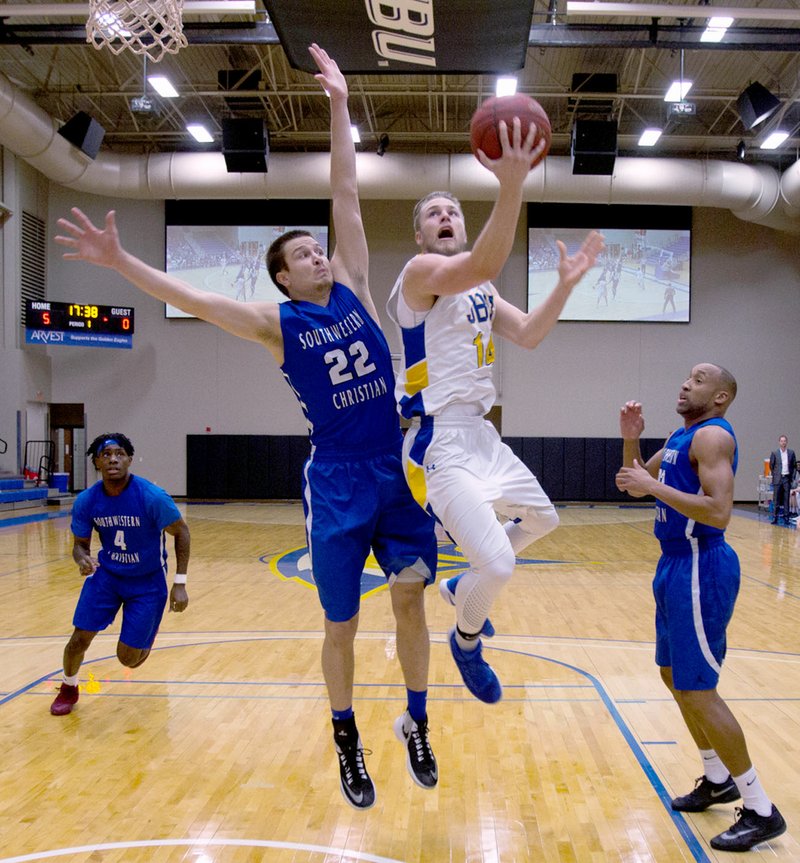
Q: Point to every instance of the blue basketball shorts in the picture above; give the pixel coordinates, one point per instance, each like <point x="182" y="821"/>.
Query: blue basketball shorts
<point x="142" y="600"/>
<point x="351" y="507"/>
<point x="695" y="591"/>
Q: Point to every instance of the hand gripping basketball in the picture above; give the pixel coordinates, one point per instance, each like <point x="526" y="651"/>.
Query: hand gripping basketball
<point x="484" y="133"/>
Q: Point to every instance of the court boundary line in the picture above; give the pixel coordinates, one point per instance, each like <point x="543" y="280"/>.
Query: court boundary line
<point x="691" y="840"/>
<point x="192" y="843"/>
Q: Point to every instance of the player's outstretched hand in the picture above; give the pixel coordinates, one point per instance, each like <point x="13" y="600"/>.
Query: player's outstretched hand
<point x="572" y="268"/>
<point x="89" y="243"/>
<point x="330" y="76"/>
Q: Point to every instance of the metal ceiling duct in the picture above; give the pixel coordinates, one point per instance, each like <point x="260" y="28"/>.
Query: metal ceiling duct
<point x="754" y="193"/>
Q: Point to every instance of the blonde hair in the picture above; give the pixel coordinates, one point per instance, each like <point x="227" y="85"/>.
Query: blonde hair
<point x="421" y="203"/>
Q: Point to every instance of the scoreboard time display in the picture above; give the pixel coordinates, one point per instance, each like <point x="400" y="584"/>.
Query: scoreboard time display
<point x="79" y="324"/>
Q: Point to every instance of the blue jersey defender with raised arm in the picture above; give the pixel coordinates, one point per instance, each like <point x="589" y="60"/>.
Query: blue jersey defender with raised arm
<point x="328" y="342"/>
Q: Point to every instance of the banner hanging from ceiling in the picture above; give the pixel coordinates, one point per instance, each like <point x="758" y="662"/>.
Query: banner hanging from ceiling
<point x="406" y="36"/>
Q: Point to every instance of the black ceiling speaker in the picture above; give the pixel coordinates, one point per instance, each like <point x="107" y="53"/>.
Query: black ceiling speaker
<point x="245" y="145"/>
<point x="594" y="146"/>
<point x="755" y="104"/>
<point x="83" y="132"/>
<point x="596" y="83"/>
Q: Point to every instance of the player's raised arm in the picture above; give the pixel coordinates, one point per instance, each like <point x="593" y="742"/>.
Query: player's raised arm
<point x="350" y="259"/>
<point x="257" y="322"/>
<point x="431" y="275"/>
<point x="528" y="330"/>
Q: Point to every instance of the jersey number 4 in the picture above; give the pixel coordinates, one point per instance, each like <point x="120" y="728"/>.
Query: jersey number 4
<point x="340" y="363"/>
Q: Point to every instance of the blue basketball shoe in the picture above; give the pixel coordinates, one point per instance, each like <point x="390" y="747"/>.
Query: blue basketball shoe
<point x="476" y="673"/>
<point x="447" y="589"/>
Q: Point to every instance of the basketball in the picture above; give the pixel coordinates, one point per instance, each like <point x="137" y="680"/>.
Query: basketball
<point x="484" y="131"/>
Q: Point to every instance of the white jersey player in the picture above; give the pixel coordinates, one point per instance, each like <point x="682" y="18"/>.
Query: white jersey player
<point x="457" y="467"/>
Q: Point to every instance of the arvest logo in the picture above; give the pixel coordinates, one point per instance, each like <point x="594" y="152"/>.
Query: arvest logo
<point x="46" y="336"/>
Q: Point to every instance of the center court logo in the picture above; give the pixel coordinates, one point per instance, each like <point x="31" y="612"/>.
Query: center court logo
<point x="295" y="565"/>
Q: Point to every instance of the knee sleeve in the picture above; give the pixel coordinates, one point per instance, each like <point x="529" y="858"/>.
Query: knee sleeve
<point x="477" y="591"/>
<point x="532" y="525"/>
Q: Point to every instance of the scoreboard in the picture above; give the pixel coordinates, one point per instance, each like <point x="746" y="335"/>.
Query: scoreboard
<point x="88" y="324"/>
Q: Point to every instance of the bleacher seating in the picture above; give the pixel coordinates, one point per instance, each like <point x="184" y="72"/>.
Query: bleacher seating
<point x="18" y="493"/>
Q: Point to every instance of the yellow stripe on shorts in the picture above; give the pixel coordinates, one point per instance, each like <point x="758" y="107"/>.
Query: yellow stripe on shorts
<point x="415" y="476"/>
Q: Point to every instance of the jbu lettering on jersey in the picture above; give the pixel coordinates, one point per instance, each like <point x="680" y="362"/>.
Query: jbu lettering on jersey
<point x="482" y="307"/>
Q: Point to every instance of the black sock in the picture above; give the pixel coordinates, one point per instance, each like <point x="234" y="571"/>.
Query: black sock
<point x="345" y="732"/>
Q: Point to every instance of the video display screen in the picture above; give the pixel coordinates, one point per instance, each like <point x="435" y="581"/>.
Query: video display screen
<point x="644" y="275"/>
<point x="219" y="246"/>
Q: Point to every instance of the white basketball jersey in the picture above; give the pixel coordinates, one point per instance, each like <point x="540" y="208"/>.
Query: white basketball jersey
<point x="447" y="359"/>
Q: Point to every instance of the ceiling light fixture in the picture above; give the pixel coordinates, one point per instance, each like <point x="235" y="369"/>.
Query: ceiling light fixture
<point x="715" y="29"/>
<point x="163" y="86"/>
<point x="199" y="132"/>
<point x="677" y="90"/>
<point x="505" y="86"/>
<point x="774" y="139"/>
<point x="354" y="135"/>
<point x="649" y="137"/>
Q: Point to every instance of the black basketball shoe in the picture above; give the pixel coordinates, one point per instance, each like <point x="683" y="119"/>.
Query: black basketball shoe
<point x="356" y="785"/>
<point x="706" y="793"/>
<point x="749" y="830"/>
<point x="420" y="760"/>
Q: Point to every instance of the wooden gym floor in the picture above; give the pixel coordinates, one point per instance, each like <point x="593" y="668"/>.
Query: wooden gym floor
<point x="218" y="749"/>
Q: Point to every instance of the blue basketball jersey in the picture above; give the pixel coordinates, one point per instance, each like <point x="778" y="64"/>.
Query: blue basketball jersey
<point x="676" y="471"/>
<point x="130" y="526"/>
<point x="337" y="362"/>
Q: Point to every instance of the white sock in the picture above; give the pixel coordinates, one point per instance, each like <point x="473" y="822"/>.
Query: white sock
<point x="713" y="768"/>
<point x="71" y="680"/>
<point x="753" y="795"/>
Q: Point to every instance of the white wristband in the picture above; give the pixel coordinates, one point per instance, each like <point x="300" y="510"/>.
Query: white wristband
<point x="180" y="578"/>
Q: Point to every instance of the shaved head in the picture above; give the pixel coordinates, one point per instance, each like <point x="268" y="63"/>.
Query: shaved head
<point x="727" y="381"/>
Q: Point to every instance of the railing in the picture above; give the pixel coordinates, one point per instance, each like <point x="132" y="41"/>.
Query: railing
<point x="39" y="459"/>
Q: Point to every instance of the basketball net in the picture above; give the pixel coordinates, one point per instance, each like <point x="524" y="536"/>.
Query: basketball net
<point x="153" y="29"/>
